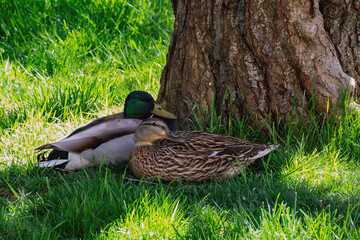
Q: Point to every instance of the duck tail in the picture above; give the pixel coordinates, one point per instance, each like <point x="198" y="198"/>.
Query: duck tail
<point x="274" y="146"/>
<point x="266" y="151"/>
<point x="56" y="159"/>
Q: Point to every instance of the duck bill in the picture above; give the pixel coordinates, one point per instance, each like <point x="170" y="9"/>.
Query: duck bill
<point x="160" y="111"/>
<point x="172" y="138"/>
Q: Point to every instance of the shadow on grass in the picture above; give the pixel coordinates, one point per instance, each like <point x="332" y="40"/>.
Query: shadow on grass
<point x="84" y="203"/>
<point x="282" y="193"/>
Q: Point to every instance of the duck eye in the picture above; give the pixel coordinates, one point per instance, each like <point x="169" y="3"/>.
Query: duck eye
<point x="143" y="99"/>
<point x="154" y="124"/>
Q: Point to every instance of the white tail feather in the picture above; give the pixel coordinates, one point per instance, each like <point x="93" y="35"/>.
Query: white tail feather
<point x="51" y="163"/>
<point x="266" y="151"/>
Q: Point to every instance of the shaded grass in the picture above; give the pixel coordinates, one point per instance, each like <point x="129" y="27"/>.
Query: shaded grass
<point x="100" y="203"/>
<point x="66" y="62"/>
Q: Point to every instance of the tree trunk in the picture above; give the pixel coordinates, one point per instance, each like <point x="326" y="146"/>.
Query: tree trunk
<point x="342" y="23"/>
<point x="274" y="57"/>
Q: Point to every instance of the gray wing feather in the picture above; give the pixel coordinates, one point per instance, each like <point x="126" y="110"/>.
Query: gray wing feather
<point x="91" y="137"/>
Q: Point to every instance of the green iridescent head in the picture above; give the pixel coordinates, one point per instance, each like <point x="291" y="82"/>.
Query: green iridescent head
<point x="139" y="104"/>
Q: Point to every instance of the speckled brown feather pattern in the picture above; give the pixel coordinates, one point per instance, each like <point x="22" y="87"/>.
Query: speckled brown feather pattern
<point x="202" y="156"/>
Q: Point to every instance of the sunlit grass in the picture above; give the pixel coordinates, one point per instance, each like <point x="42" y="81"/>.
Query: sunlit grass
<point x="158" y="217"/>
<point x="63" y="63"/>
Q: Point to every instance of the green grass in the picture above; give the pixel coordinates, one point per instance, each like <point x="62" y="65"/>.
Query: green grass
<point x="66" y="62"/>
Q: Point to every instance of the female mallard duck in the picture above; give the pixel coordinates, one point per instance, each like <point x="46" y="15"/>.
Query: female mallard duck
<point x="104" y="140"/>
<point x="190" y="155"/>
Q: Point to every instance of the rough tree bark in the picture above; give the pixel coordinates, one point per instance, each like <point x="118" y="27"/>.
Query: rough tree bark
<point x="274" y="56"/>
<point x="342" y="23"/>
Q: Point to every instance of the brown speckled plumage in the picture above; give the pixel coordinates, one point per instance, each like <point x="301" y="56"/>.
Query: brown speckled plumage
<point x="194" y="155"/>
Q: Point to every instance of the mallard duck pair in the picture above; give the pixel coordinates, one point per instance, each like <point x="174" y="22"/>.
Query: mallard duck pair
<point x="105" y="140"/>
<point x="158" y="153"/>
<point x="189" y="155"/>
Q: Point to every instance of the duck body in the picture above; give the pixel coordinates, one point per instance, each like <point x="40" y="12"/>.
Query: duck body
<point x="105" y="140"/>
<point x="192" y="155"/>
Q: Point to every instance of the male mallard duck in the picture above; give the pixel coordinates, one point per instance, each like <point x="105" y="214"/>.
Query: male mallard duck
<point x="190" y="155"/>
<point x="107" y="139"/>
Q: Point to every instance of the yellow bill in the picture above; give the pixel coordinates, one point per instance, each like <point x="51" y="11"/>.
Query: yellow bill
<point x="160" y="111"/>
